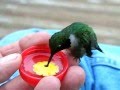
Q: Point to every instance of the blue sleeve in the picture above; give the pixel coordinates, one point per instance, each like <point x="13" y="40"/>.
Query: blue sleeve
<point x="102" y="69"/>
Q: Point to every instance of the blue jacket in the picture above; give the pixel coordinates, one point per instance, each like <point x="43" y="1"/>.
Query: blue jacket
<point x="102" y="70"/>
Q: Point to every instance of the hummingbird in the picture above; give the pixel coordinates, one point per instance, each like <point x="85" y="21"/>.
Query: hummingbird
<point x="79" y="38"/>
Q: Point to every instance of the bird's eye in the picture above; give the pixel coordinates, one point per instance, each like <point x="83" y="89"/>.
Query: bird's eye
<point x="59" y="45"/>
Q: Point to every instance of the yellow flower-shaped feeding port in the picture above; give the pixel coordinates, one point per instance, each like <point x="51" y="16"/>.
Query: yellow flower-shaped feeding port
<point x="40" y="69"/>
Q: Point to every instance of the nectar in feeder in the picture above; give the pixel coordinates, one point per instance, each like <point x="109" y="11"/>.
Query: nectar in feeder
<point x="40" y="69"/>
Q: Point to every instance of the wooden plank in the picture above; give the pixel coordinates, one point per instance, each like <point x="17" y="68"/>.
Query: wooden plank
<point x="104" y="17"/>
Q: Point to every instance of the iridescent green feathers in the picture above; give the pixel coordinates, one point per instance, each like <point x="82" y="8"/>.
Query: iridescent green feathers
<point x="58" y="42"/>
<point x="82" y="31"/>
<point x="84" y="35"/>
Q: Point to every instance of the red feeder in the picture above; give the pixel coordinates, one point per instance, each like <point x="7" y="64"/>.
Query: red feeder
<point x="36" y="54"/>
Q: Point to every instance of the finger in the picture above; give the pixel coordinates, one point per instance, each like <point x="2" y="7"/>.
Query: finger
<point x="74" y="78"/>
<point x="16" y="84"/>
<point x="0" y="54"/>
<point x="32" y="39"/>
<point x="12" y="48"/>
<point x="48" y="83"/>
<point x="8" y="65"/>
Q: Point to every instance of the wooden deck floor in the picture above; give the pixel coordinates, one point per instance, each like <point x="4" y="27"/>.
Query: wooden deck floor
<point x="102" y="15"/>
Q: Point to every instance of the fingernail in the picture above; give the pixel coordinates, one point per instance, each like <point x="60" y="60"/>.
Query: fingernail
<point x="9" y="58"/>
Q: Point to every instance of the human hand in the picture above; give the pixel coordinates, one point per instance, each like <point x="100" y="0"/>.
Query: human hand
<point x="11" y="59"/>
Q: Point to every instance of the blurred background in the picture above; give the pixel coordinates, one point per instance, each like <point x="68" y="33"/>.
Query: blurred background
<point x="102" y="15"/>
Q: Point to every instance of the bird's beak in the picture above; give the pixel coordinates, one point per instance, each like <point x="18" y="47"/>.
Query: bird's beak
<point x="49" y="60"/>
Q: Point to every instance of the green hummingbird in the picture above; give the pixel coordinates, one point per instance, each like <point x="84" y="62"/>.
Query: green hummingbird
<point x="78" y="37"/>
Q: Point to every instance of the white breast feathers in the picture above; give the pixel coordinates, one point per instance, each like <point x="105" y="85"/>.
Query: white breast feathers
<point x="73" y="40"/>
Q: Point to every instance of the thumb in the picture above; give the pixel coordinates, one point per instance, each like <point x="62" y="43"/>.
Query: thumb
<point x="8" y="65"/>
<point x="48" y="83"/>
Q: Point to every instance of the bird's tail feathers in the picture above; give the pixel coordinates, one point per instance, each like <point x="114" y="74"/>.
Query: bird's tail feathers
<point x="98" y="48"/>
